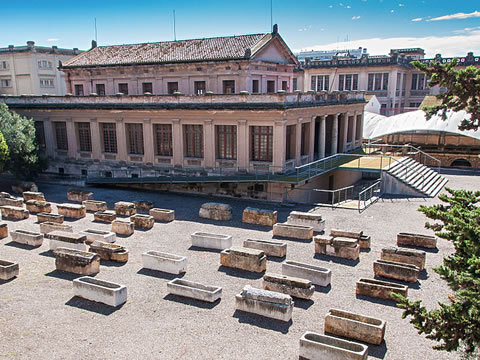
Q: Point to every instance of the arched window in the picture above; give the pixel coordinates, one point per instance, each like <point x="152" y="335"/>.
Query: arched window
<point x="461" y="163"/>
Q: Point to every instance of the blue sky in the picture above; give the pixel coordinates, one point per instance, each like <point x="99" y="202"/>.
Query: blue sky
<point x="448" y="27"/>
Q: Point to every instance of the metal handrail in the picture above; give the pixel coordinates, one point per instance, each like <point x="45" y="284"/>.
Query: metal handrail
<point x="371" y="189"/>
<point x="337" y="191"/>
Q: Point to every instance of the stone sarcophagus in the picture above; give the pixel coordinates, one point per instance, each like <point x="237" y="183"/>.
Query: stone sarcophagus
<point x="395" y="270"/>
<point x="259" y="216"/>
<point x="3" y="230"/>
<point x="142" y="221"/>
<point x="265" y="303"/>
<point x="94" y="205"/>
<point x="211" y="241"/>
<point x="48" y="227"/>
<point x="98" y="235"/>
<point x="124" y="208"/>
<point x="66" y="240"/>
<point x="48" y="217"/>
<point x="73" y="211"/>
<point x="323" y="347"/>
<point x="194" y="290"/>
<point x="38" y="206"/>
<point x="14" y="212"/>
<point x="33" y="195"/>
<point x="244" y="259"/>
<point x="143" y="205"/>
<point x="106" y="216"/>
<point x="215" y="211"/>
<point x="380" y="289"/>
<point x="406" y="256"/>
<point x="7" y="199"/>
<point x="293" y="231"/>
<point x="363" y="240"/>
<point x="109" y="252"/>
<point x="76" y="261"/>
<point x="8" y="270"/>
<point x="418" y="240"/>
<point x="101" y="291"/>
<point x="79" y="196"/>
<point x="162" y="215"/>
<point x="165" y="262"/>
<point x="340" y="247"/>
<point x="316" y="274"/>
<point x="269" y="247"/>
<point x="355" y="326"/>
<point x="307" y="219"/>
<point x="293" y="286"/>
<point x="123" y="227"/>
<point x="26" y="237"/>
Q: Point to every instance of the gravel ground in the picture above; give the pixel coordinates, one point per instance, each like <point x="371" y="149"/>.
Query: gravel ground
<point x="39" y="318"/>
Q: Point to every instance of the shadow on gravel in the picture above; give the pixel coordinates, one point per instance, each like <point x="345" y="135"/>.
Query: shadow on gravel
<point x="277" y="259"/>
<point x="377" y="300"/>
<point x="256" y="227"/>
<point x="240" y="273"/>
<point x="423" y="275"/>
<point x="159" y="274"/>
<point x="70" y="220"/>
<point x="336" y="260"/>
<point x="303" y="303"/>
<point x="323" y="289"/>
<point x="47" y="253"/>
<point x="7" y="281"/>
<point x="197" y="248"/>
<point x="124" y="236"/>
<point x="64" y="275"/>
<point x="93" y="306"/>
<point x="293" y="240"/>
<point x="191" y="302"/>
<point x="262" y="322"/>
<point x="110" y="263"/>
<point x="21" y="246"/>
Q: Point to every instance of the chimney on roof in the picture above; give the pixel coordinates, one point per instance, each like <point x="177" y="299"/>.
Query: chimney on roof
<point x="275" y="29"/>
<point x="248" y="52"/>
<point x="10" y="47"/>
<point x="94" y="44"/>
<point x="31" y="44"/>
<point x="75" y="51"/>
<point x="54" y="48"/>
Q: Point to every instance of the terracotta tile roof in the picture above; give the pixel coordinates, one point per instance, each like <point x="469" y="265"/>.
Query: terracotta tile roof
<point x="220" y="48"/>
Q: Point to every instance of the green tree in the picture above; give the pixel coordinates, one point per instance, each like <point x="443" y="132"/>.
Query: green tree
<point x="3" y="152"/>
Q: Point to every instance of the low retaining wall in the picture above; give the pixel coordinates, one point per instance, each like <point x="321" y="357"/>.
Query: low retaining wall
<point x="396" y="270"/>
<point x="102" y="291"/>
<point x="413" y="257"/>
<point x="165" y="262"/>
<point x="259" y="216"/>
<point x="269" y="247"/>
<point x="124" y="208"/>
<point x="79" y="195"/>
<point x="48" y="227"/>
<point x="307" y="219"/>
<point x="380" y="289"/>
<point x="211" y="241"/>
<point x="65" y="239"/>
<point x="317" y="346"/>
<point x="293" y="231"/>
<point x="244" y="259"/>
<point x="340" y="247"/>
<point x="109" y="252"/>
<point x="8" y="270"/>
<point x="194" y="290"/>
<point x="215" y="211"/>
<point x="94" y="205"/>
<point x="76" y="261"/>
<point x="316" y="274"/>
<point x="47" y="217"/>
<point x="162" y="215"/>
<point x="419" y="240"/>
<point x="26" y="237"/>
<point x="14" y="212"/>
<point x="293" y="286"/>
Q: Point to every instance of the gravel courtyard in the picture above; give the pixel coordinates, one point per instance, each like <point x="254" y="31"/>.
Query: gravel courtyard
<point x="39" y="318"/>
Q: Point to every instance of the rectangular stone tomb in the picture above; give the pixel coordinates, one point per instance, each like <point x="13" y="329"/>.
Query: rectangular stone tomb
<point x="244" y="259"/>
<point x="315" y="346"/>
<point x="162" y="215"/>
<point x="363" y="240"/>
<point x="293" y="231"/>
<point x="55" y="218"/>
<point x="123" y="227"/>
<point x="72" y="211"/>
<point x="215" y="211"/>
<point x="316" y="274"/>
<point x="48" y="227"/>
<point x="14" y="212"/>
<point x="26" y="237"/>
<point x="106" y="216"/>
<point x="265" y="303"/>
<point x="124" y="208"/>
<point x="211" y="241"/>
<point x="110" y="252"/>
<point x="8" y="270"/>
<point x="165" y="262"/>
<point x="3" y="230"/>
<point x="380" y="289"/>
<point x="413" y="257"/>
<point x="395" y="270"/>
<point x="98" y="235"/>
<point x="269" y="247"/>
<point x="293" y="286"/>
<point x="142" y="221"/>
<point x="419" y="240"/>
<point x="143" y="205"/>
<point x="94" y="205"/>
<point x="76" y="261"/>
<point x="194" y="290"/>
<point x="11" y="201"/>
<point x="307" y="219"/>
<point x="33" y="195"/>
<point x="101" y="291"/>
<point x="259" y="216"/>
<point x="355" y="326"/>
<point x="67" y="240"/>
<point x="79" y="195"/>
<point x="340" y="247"/>
<point x="38" y="206"/>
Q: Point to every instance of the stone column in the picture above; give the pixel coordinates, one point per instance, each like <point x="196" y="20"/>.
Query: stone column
<point x="122" y="152"/>
<point x="346" y="117"/>
<point x="96" y="140"/>
<point x="209" y="143"/>
<point x="311" y="150"/>
<point x="322" y="137"/>
<point x="243" y="141"/>
<point x="177" y="136"/>
<point x="360" y="124"/>
<point x="149" y="150"/>
<point x="354" y="131"/>
<point x="279" y="143"/>
<point x="71" y="138"/>
<point x="335" y="134"/>
<point x="49" y="131"/>
<point x="298" y="141"/>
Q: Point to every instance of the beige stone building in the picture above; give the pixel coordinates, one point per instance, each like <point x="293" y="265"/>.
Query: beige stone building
<point x="33" y="69"/>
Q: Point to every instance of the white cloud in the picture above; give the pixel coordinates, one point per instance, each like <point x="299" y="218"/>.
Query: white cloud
<point x="457" y="16"/>
<point x="53" y="39"/>
<point x="348" y="7"/>
<point x="392" y="11"/>
<point x="417" y="19"/>
<point x="355" y="17"/>
<point x="401" y="5"/>
<point x="330" y="6"/>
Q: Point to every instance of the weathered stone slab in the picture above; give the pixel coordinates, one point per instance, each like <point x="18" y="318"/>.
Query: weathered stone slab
<point x="165" y="262"/>
<point x="98" y="235"/>
<point x="414" y="257"/>
<point x="355" y="326"/>
<point x="316" y="274"/>
<point x="194" y="290"/>
<point x="124" y="208"/>
<point x="340" y="247"/>
<point x="293" y="231"/>
<point x="106" y="216"/>
<point x="395" y="270"/>
<point x="363" y="240"/>
<point x="14" y="212"/>
<point x="76" y="261"/>
<point x="293" y="286"/>
<point x="162" y="215"/>
<point x="26" y="237"/>
<point x="211" y="241"/>
<point x="37" y="206"/>
<point x="265" y="303"/>
<point x="11" y="201"/>
<point x="110" y="252"/>
<point x="94" y="205"/>
<point x="419" y="240"/>
<point x="79" y="196"/>
<point x="123" y="227"/>
<point x="3" y="230"/>
<point x="315" y="346"/>
<point x="244" y="259"/>
<point x="33" y="195"/>
<point x="66" y="239"/>
<point x="143" y="205"/>
<point x="380" y="289"/>
<point x="8" y="270"/>
<point x="48" y="227"/>
<point x="48" y="217"/>
<point x="142" y="221"/>
<point x="102" y="291"/>
<point x="269" y="247"/>
<point x="259" y="216"/>
<point x="307" y="219"/>
<point x="215" y="211"/>
<point x="72" y="211"/>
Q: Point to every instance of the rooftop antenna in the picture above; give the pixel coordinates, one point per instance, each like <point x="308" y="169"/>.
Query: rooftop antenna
<point x="96" y="40"/>
<point x="174" y="27"/>
<point x="271" y="15"/>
